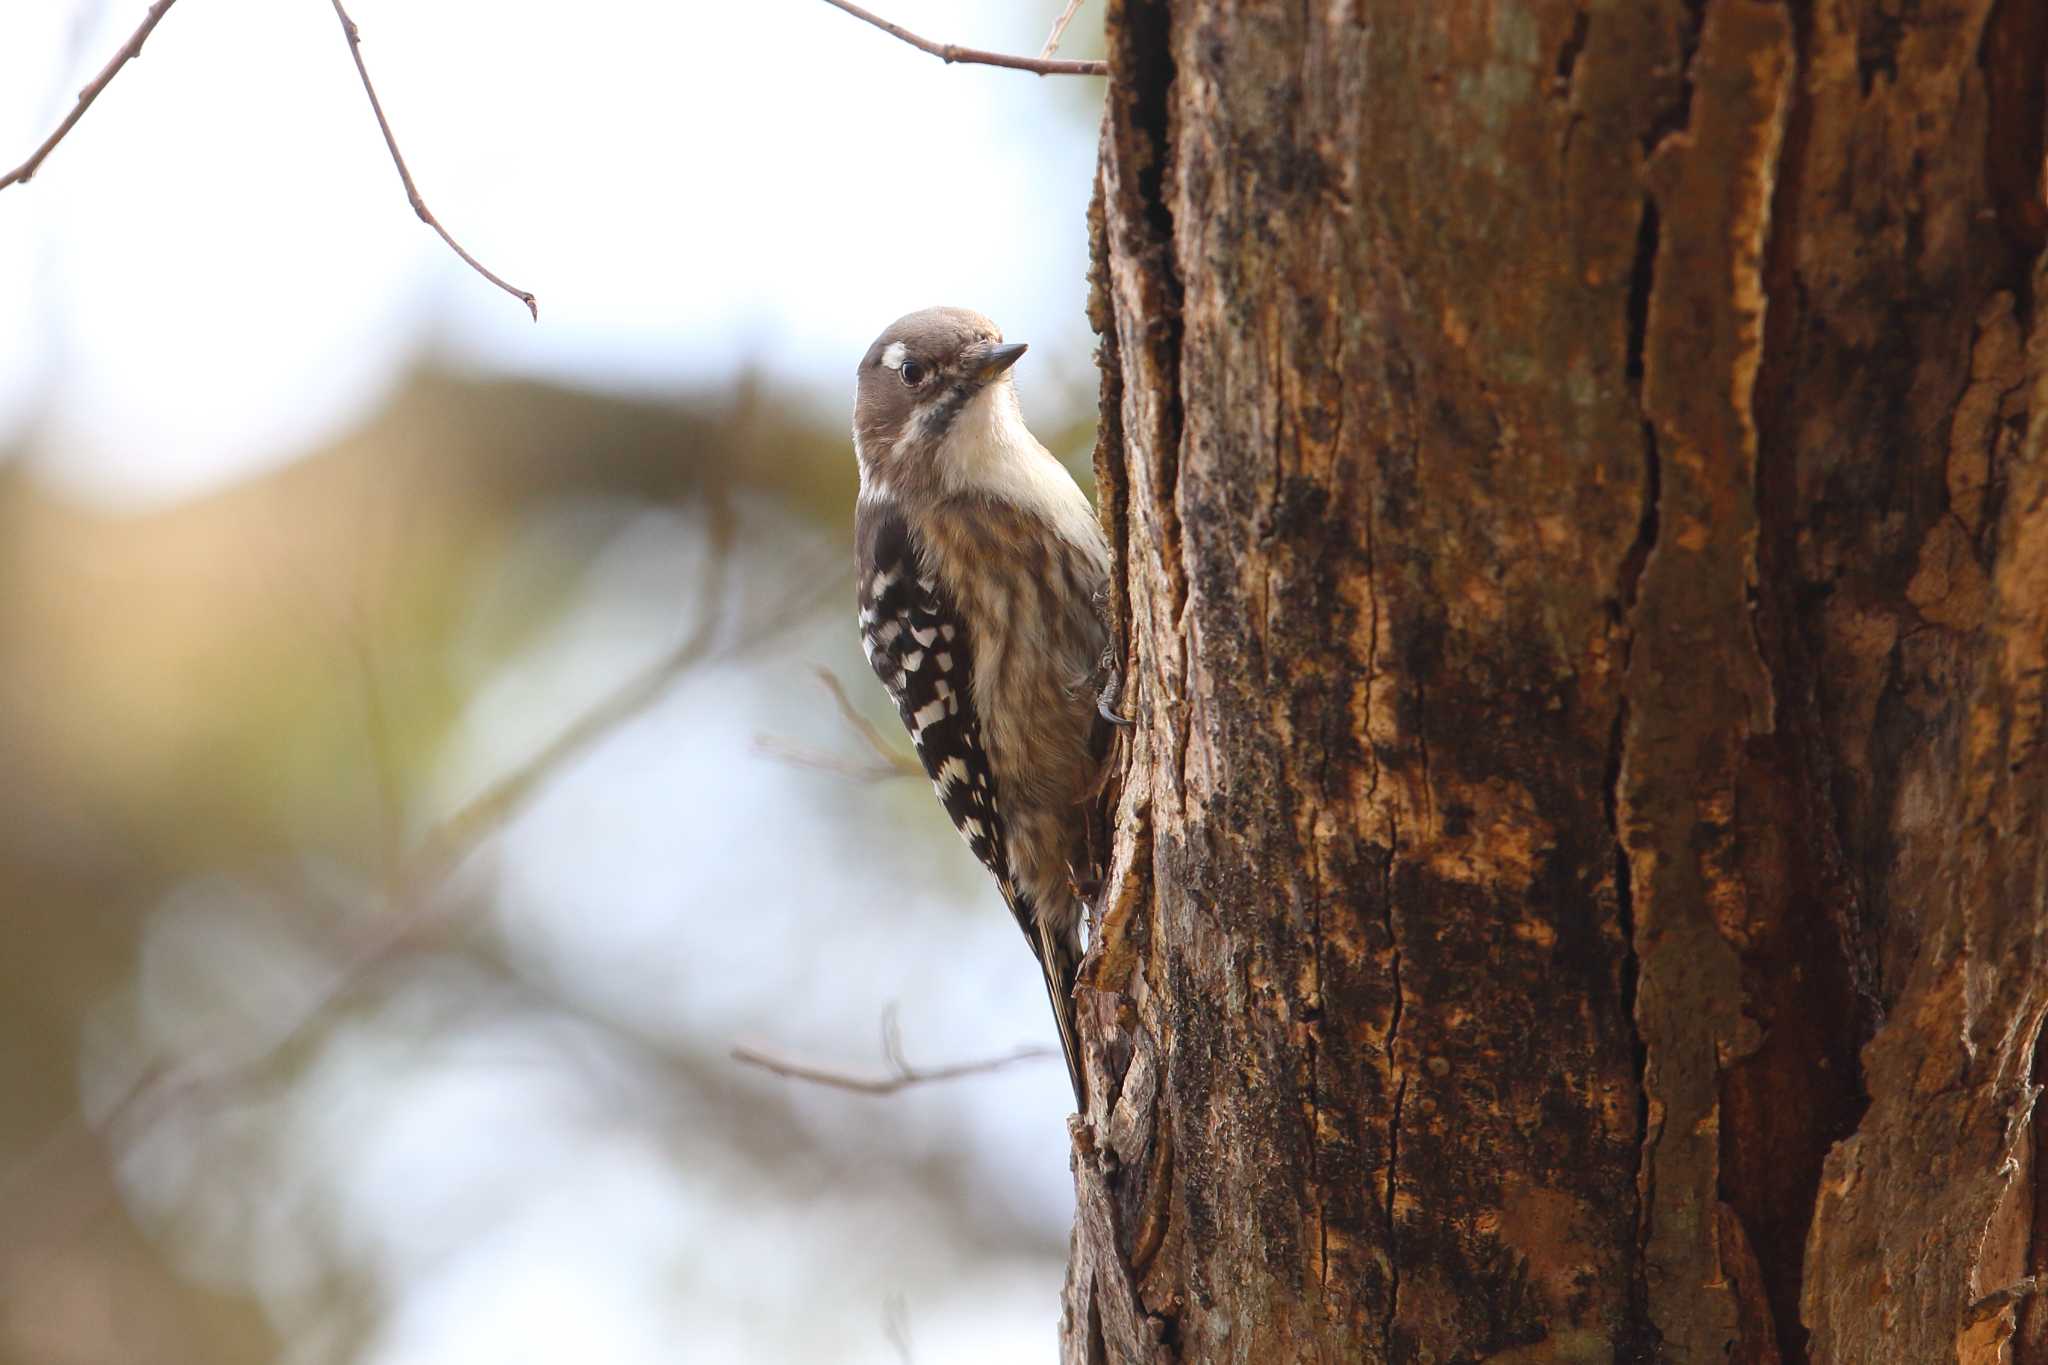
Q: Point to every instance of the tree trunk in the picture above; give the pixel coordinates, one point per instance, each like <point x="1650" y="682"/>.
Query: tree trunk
<point x="1580" y="478"/>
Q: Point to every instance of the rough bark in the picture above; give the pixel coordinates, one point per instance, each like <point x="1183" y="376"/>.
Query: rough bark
<point x="1580" y="479"/>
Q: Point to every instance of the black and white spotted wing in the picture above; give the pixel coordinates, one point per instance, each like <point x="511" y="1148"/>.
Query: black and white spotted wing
<point x="919" y="647"/>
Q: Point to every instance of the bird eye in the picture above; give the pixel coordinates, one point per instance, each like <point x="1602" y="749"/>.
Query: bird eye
<point x="912" y="372"/>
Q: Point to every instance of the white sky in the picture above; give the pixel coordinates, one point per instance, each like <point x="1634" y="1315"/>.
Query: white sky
<point x="218" y="266"/>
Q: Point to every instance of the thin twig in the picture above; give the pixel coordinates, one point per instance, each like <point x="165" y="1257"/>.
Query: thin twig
<point x="1059" y="29"/>
<point x="887" y="752"/>
<point x="896" y="1326"/>
<point x="950" y="52"/>
<point x="412" y="192"/>
<point x="454" y="838"/>
<point x="160" y="1087"/>
<point x="901" y="1076"/>
<point x="164" y="1084"/>
<point x="882" y="1085"/>
<point x="451" y="840"/>
<point x="818" y="760"/>
<point x="130" y="50"/>
<point x="890" y="761"/>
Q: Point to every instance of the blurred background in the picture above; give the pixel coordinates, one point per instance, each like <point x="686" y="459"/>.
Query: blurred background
<point x="415" y="774"/>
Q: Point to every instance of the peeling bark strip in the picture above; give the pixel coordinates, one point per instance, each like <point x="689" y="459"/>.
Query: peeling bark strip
<point x="1697" y="689"/>
<point x="1582" y="512"/>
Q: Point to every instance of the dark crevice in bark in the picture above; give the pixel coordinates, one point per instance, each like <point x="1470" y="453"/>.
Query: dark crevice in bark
<point x="1878" y="36"/>
<point x="1787" y="1103"/>
<point x="1807" y="982"/>
<point x="1146" y="72"/>
<point x="1144" y="62"/>
<point x="1142" y="70"/>
<point x="1568" y="54"/>
<point x="1112" y="471"/>
<point x="1640" y="1335"/>
<point x="1393" y="1251"/>
<point x="1400" y="1083"/>
<point x="1676" y="115"/>
<point x="1630" y="580"/>
<point x="1641" y="273"/>
<point x="2014" y="58"/>
<point x="1639" y="1327"/>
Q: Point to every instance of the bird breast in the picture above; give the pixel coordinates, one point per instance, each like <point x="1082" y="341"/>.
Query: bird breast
<point x="1033" y="597"/>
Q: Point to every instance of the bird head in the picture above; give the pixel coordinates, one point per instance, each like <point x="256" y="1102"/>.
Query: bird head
<point x="933" y="401"/>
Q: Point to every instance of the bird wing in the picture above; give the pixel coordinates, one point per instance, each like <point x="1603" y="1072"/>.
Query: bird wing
<point x="919" y="646"/>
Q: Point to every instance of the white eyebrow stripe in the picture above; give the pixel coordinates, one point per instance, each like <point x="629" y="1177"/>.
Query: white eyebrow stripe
<point x="894" y="356"/>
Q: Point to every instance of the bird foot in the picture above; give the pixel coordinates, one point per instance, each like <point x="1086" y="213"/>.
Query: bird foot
<point x="1108" y="712"/>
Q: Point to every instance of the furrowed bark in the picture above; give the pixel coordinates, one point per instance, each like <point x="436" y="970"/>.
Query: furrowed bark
<point x="1583" y="578"/>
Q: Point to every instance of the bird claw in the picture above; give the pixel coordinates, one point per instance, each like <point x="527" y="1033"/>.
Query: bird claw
<point x="1108" y="713"/>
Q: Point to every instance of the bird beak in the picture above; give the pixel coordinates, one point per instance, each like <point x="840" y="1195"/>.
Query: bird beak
<point x="999" y="358"/>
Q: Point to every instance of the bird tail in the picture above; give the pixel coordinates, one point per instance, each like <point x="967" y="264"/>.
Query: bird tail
<point x="1059" y="957"/>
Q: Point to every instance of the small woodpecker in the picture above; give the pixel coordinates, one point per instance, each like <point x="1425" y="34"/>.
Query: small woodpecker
<point x="982" y="578"/>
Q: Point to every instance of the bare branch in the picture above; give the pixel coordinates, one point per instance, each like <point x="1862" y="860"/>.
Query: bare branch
<point x="887" y="752"/>
<point x="412" y="193"/>
<point x="451" y="840"/>
<point x="901" y="1074"/>
<point x="896" y="1326"/>
<point x="165" y="1084"/>
<point x="817" y="760"/>
<point x="448" y="843"/>
<point x="890" y="762"/>
<point x="950" y="52"/>
<point x="882" y="1085"/>
<point x="1059" y="29"/>
<point x="130" y="50"/>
